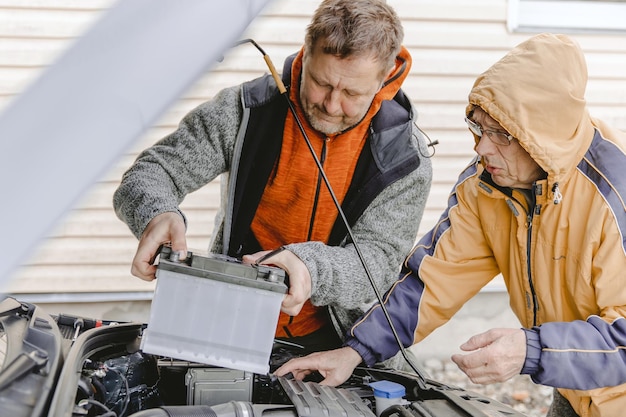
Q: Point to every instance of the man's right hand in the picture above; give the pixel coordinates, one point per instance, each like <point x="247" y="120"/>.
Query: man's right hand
<point x="335" y="366"/>
<point x="164" y="228"/>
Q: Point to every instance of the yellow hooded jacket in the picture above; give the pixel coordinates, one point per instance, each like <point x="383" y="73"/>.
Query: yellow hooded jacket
<point x="563" y="260"/>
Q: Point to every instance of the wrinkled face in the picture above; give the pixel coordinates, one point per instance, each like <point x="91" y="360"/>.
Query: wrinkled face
<point x="509" y="166"/>
<point x="336" y="93"/>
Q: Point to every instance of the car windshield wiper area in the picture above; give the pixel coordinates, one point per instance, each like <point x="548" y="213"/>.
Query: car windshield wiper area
<point x="23" y="364"/>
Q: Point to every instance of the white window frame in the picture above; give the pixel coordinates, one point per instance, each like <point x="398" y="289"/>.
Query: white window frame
<point x="567" y="16"/>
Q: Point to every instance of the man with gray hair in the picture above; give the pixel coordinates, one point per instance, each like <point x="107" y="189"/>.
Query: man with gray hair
<point x="344" y="85"/>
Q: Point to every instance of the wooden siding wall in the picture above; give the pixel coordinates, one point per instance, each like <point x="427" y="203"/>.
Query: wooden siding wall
<point x="451" y="42"/>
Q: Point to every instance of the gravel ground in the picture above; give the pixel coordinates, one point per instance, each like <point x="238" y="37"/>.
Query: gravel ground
<point x="519" y="393"/>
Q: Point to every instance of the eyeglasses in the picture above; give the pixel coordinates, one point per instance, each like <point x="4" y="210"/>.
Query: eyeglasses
<point x="497" y="137"/>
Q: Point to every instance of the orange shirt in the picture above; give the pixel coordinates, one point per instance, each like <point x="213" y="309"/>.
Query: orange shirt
<point x="285" y="212"/>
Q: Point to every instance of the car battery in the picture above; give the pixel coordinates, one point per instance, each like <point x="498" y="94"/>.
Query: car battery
<point x="211" y="386"/>
<point x="214" y="310"/>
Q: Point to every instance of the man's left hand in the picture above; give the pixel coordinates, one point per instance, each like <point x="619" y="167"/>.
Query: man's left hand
<point x="497" y="355"/>
<point x="299" y="278"/>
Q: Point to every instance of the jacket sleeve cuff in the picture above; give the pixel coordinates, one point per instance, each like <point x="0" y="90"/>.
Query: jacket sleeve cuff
<point x="139" y="232"/>
<point x="533" y="352"/>
<point x="366" y="355"/>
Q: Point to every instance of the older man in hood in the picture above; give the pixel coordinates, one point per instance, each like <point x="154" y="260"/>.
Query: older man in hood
<point x="543" y="205"/>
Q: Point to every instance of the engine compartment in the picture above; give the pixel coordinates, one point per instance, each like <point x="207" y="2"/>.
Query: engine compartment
<point x="113" y="377"/>
<point x="122" y="381"/>
<point x="64" y="366"/>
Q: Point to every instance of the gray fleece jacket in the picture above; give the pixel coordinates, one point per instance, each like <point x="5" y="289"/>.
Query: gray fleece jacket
<point x="209" y="143"/>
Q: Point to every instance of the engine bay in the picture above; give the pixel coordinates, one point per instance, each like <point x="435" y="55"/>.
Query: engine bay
<point x="65" y="366"/>
<point x="121" y="380"/>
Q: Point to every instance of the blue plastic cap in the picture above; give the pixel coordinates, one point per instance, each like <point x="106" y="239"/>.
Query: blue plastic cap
<point x="388" y="389"/>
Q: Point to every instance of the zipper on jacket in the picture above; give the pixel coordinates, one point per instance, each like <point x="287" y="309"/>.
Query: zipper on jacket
<point x="529" y="219"/>
<point x="534" y="209"/>
<point x="317" y="190"/>
<point x="529" y="229"/>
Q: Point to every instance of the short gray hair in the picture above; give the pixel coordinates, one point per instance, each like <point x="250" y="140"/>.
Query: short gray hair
<point x="356" y="28"/>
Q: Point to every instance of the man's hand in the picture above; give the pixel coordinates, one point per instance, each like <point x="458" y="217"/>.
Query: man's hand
<point x="497" y="355"/>
<point x="164" y="228"/>
<point x="335" y="366"/>
<point x="299" y="278"/>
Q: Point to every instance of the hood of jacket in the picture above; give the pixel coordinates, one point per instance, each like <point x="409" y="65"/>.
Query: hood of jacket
<point x="537" y="93"/>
